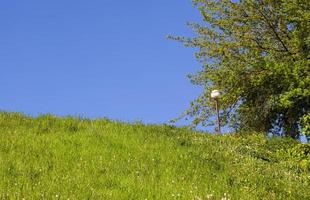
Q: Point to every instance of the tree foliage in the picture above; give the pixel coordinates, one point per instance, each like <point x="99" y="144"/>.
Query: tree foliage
<point x="257" y="53"/>
<point x="305" y="124"/>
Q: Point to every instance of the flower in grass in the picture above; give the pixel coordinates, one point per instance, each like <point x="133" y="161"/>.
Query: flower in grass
<point x="225" y="197"/>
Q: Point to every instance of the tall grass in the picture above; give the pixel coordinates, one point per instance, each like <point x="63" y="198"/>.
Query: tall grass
<point x="74" y="158"/>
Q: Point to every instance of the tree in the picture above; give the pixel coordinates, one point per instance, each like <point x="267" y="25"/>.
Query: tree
<point x="257" y="53"/>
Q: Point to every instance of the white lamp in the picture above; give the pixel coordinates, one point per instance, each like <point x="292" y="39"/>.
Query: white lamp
<point x="215" y="94"/>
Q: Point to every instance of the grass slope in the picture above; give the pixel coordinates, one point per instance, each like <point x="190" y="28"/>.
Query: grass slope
<point x="69" y="158"/>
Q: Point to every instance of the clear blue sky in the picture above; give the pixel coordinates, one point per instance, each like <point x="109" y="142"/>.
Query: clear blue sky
<point x="98" y="58"/>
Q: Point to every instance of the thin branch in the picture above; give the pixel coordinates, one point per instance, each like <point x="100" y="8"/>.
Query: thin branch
<point x="274" y="31"/>
<point x="259" y="45"/>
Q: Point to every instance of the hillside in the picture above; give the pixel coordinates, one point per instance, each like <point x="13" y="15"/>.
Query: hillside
<point x="69" y="158"/>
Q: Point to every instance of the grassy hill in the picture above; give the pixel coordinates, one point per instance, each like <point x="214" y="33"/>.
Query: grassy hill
<point x="70" y="158"/>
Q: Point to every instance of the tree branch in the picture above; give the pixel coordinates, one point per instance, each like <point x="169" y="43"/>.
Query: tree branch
<point x="274" y="31"/>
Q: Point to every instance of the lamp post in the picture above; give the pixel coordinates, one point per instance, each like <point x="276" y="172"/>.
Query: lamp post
<point x="215" y="94"/>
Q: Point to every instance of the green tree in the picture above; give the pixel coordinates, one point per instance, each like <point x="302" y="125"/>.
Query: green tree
<point x="257" y="53"/>
<point x="305" y="124"/>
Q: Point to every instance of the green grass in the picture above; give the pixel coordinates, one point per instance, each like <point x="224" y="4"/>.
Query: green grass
<point x="70" y="158"/>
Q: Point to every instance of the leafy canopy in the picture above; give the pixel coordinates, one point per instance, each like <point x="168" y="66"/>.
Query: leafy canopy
<point x="257" y="53"/>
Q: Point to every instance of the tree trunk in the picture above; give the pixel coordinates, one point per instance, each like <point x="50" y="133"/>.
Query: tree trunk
<point x="290" y="126"/>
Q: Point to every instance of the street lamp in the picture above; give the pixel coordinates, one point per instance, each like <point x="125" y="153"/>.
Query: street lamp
<point x="216" y="94"/>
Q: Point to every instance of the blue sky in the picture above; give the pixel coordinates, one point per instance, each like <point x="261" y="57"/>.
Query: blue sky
<point x="99" y="58"/>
